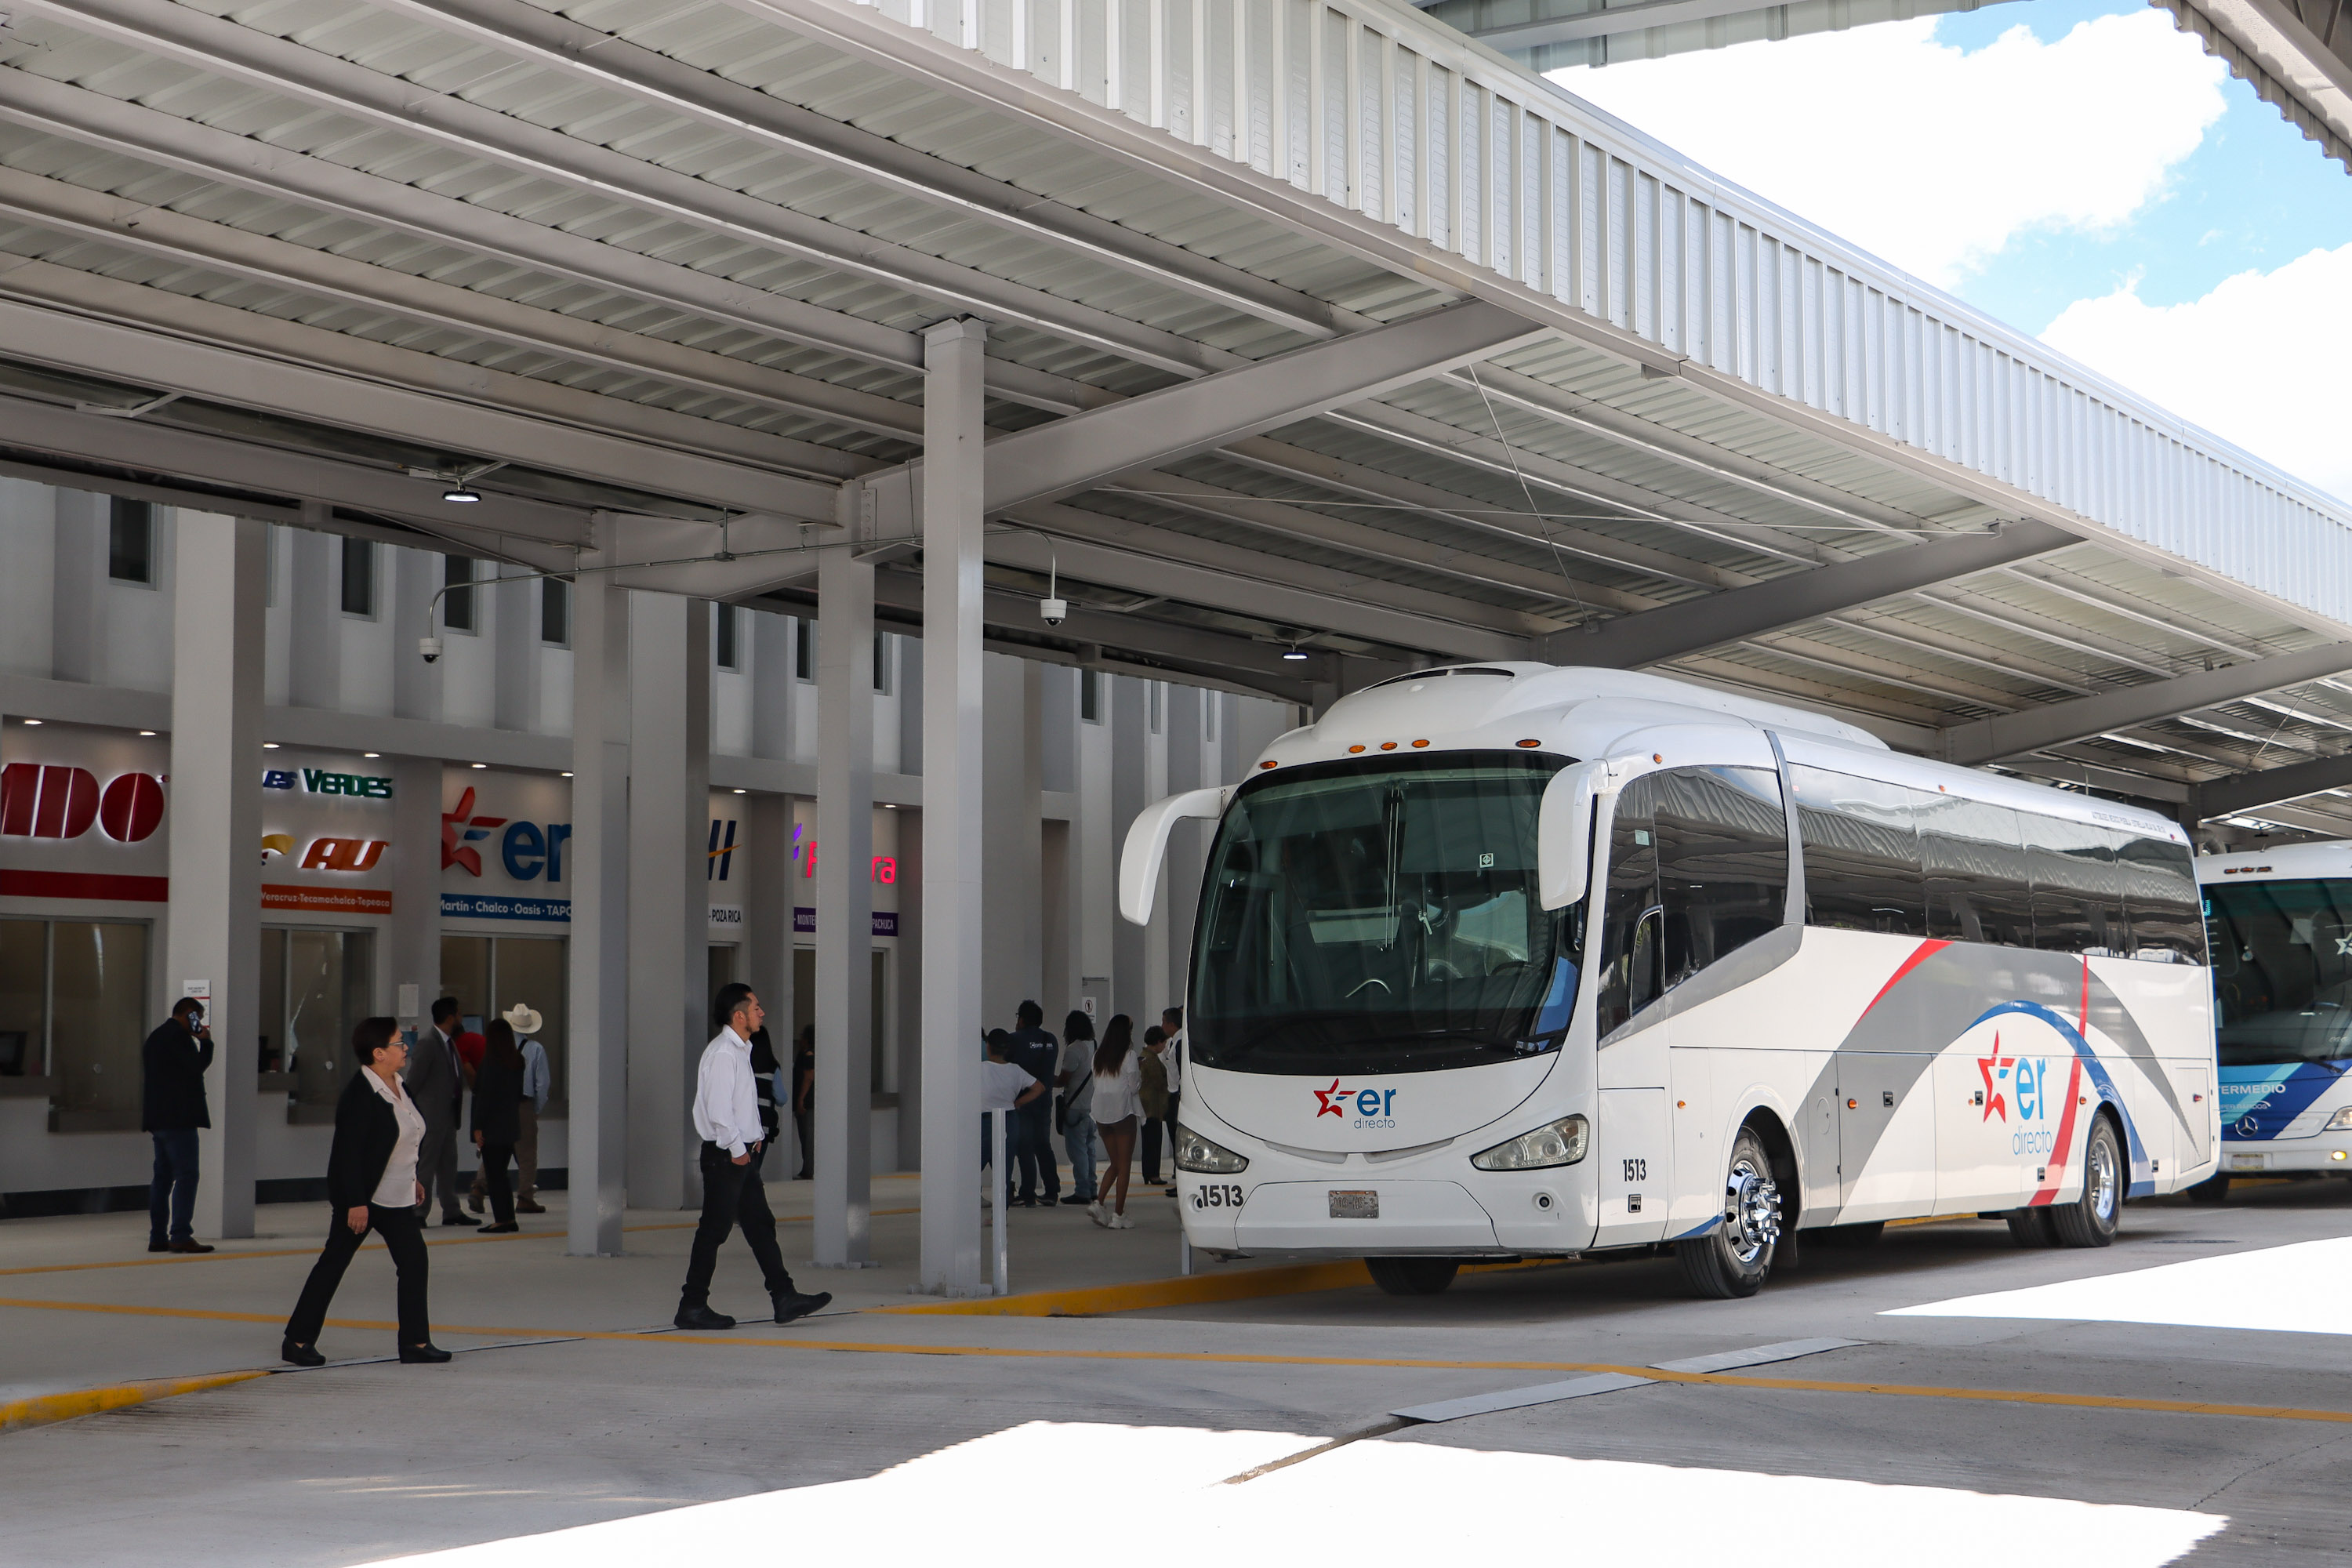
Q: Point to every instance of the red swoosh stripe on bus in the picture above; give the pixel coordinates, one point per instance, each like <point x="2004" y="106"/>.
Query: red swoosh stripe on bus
<point x="1924" y="952"/>
<point x="2057" y="1167"/>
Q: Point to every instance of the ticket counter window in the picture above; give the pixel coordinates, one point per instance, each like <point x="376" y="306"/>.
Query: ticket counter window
<point x="489" y="974"/>
<point x="73" y="1009"/>
<point x="316" y="987"/>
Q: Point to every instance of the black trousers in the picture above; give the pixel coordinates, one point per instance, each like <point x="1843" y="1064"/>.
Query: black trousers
<point x="494" y="1177"/>
<point x="401" y="1238"/>
<point x="732" y="1194"/>
<point x="171" y="1193"/>
<point x="1032" y="1151"/>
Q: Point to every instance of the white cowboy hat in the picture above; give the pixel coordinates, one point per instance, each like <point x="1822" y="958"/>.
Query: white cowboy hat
<point x="521" y="1019"/>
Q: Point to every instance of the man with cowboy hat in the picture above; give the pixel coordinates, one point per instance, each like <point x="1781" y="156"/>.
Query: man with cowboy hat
<point x="536" y="1081"/>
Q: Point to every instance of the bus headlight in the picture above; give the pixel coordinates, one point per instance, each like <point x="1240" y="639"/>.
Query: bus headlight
<point x="1198" y="1155"/>
<point x="2339" y="1123"/>
<point x="1561" y="1143"/>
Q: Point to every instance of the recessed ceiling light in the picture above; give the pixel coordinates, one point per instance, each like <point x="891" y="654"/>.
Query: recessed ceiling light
<point x="371" y="755"/>
<point x="462" y="495"/>
<point x="567" y="775"/>
<point x="269" y="745"/>
<point x="481" y="764"/>
<point x="1294" y="652"/>
<point x="742" y="792"/>
<point x="889" y="805"/>
<point x="148" y="733"/>
<point x="35" y="723"/>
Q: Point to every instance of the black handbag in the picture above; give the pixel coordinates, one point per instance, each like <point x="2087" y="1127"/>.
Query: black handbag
<point x="1062" y="1104"/>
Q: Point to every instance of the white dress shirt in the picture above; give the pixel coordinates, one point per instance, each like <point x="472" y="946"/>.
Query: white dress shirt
<point x="726" y="1101"/>
<point x="1120" y="1095"/>
<point x="397" y="1190"/>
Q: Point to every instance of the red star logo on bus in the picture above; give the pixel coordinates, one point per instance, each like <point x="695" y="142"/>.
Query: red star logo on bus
<point x="1324" y="1097"/>
<point x="1995" y="1066"/>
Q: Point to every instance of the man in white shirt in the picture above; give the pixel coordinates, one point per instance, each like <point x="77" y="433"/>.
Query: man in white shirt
<point x="727" y="1114"/>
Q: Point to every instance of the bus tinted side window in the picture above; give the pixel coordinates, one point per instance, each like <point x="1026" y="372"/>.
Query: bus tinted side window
<point x="1862" y="854"/>
<point x="1722" y="841"/>
<point x="2161" y="896"/>
<point x="2077" y="899"/>
<point x="1629" y="958"/>
<point x="1978" y="888"/>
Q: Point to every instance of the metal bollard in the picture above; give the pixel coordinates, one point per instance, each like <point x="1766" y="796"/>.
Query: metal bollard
<point x="998" y="1175"/>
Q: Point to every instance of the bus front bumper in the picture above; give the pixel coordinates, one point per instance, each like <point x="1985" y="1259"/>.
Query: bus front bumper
<point x="1348" y="1214"/>
<point x="2324" y="1155"/>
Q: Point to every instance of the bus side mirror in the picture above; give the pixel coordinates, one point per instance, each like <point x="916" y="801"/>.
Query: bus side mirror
<point x="1564" y="833"/>
<point x="1147" y="846"/>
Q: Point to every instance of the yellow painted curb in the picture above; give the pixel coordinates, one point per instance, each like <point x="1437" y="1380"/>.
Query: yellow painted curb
<point x="40" y="1409"/>
<point x="1183" y="1290"/>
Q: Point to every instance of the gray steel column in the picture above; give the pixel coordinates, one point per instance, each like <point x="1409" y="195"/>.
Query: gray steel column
<point x="669" y="908"/>
<point x="597" y="873"/>
<point x="213" y="927"/>
<point x="952" y="475"/>
<point x="843" y="1126"/>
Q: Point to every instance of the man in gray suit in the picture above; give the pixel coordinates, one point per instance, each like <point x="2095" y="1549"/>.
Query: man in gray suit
<point x="436" y="1082"/>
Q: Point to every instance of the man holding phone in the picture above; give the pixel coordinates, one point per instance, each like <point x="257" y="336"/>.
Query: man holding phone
<point x="172" y="1108"/>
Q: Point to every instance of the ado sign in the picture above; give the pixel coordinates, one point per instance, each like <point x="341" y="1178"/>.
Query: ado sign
<point x="47" y="801"/>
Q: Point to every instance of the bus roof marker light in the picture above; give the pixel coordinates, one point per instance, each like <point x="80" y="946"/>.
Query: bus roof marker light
<point x="1268" y="763"/>
<point x="1387" y="745"/>
<point x="1354" y="749"/>
<point x="1530" y="742"/>
<point x="1418" y="744"/>
<point x="1657" y="756"/>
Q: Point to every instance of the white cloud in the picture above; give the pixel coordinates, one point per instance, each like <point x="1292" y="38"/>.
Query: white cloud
<point x="1928" y="156"/>
<point x="2259" y="361"/>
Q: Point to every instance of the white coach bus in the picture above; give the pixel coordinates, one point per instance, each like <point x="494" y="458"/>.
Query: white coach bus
<point x="1506" y="959"/>
<point x="2282" y="934"/>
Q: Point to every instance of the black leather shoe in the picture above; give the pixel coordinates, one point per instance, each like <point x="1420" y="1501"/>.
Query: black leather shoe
<point x="191" y="1245"/>
<point x="509" y="1228"/>
<point x="459" y="1222"/>
<point x="301" y="1355"/>
<point x="423" y="1355"/>
<point x="1075" y="1201"/>
<point x="790" y="1304"/>
<point x="159" y="1246"/>
<point x="703" y="1317"/>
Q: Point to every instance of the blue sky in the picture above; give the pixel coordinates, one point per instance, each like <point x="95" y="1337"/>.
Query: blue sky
<point x="2254" y="195"/>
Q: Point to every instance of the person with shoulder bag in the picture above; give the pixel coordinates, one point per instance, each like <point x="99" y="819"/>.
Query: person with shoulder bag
<point x="371" y="1185"/>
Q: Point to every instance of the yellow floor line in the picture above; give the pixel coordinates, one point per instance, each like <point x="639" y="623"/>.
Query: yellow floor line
<point x="40" y="1409"/>
<point x="1238" y="1358"/>
<point x="312" y="1251"/>
<point x="1180" y="1290"/>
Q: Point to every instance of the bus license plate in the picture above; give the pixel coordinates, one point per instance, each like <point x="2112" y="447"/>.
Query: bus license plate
<point x="2245" y="1162"/>
<point x="1355" y="1206"/>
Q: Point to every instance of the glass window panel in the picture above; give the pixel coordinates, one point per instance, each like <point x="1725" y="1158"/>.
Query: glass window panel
<point x="1722" y="841"/>
<point x="879" y="1017"/>
<point x="2161" y="895"/>
<point x="723" y="623"/>
<point x="359" y="576"/>
<point x="555" y="612"/>
<point x="465" y="972"/>
<point x="2283" y="970"/>
<point x="532" y="970"/>
<point x="1628" y="961"/>
<point x="1862" y="854"/>
<point x="1978" y="888"/>
<point x="24" y="981"/>
<point x="131" y="540"/>
<point x="2077" y="899"/>
<point x="99" y="1001"/>
<point x="272" y="1019"/>
<point x="329" y="981"/>
<point x="457" y="603"/>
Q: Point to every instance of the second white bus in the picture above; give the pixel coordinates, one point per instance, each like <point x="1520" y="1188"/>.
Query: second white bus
<point x="1509" y="960"/>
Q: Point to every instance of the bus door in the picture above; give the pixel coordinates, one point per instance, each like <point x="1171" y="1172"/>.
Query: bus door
<point x="1632" y="1158"/>
<point x="1886" y="1135"/>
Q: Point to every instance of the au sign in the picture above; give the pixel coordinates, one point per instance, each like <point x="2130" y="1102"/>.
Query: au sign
<point x="45" y="799"/>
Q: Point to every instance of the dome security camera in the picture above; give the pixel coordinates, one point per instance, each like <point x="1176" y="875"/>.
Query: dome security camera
<point x="430" y="647"/>
<point x="1054" y="611"/>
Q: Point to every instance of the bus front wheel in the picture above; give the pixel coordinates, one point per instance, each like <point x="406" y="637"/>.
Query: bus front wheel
<point x="2091" y="1219"/>
<point x="1732" y="1260"/>
<point x="1412" y="1275"/>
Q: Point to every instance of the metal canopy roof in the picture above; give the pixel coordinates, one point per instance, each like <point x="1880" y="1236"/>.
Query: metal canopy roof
<point x="1310" y="326"/>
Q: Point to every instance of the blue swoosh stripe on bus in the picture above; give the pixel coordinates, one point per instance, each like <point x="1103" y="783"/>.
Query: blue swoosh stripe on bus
<point x="2143" y="1180"/>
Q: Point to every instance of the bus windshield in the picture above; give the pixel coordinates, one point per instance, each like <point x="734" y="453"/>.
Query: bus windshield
<point x="1382" y="916"/>
<point x="2282" y="970"/>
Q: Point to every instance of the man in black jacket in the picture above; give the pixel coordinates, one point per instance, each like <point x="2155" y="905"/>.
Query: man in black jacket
<point x="172" y="1108"/>
<point x="436" y="1079"/>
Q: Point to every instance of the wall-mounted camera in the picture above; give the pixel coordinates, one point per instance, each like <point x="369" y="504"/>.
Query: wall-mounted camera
<point x="430" y="647"/>
<point x="1054" y="611"/>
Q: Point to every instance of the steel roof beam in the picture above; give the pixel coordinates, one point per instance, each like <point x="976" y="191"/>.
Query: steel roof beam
<point x="301" y="392"/>
<point x="135" y="131"/>
<point x="1674" y="630"/>
<point x="146" y="229"/>
<point x="1991" y="739"/>
<point x="557" y="43"/>
<point x="143" y="309"/>
<point x="294" y="477"/>
<point x="261" y="60"/>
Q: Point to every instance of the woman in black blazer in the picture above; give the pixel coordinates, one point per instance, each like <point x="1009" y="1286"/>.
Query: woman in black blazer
<point x="371" y="1182"/>
<point x="498" y="1117"/>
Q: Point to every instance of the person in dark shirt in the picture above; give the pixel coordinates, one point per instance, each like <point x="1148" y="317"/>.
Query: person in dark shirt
<point x="172" y="1108"/>
<point x="1038" y="1054"/>
<point x="803" y="1081"/>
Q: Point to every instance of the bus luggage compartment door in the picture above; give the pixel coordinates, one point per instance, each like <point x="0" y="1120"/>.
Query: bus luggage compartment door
<point x="1636" y="1166"/>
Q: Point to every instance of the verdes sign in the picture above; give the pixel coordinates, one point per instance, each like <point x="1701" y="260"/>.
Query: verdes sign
<point x="48" y="800"/>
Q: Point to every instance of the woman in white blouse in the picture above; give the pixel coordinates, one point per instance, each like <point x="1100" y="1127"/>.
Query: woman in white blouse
<point x="1118" y="1106"/>
<point x="370" y="1184"/>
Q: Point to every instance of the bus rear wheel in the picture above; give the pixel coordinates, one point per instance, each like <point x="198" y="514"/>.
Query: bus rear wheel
<point x="1412" y="1276"/>
<point x="2091" y="1220"/>
<point x="1732" y="1260"/>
